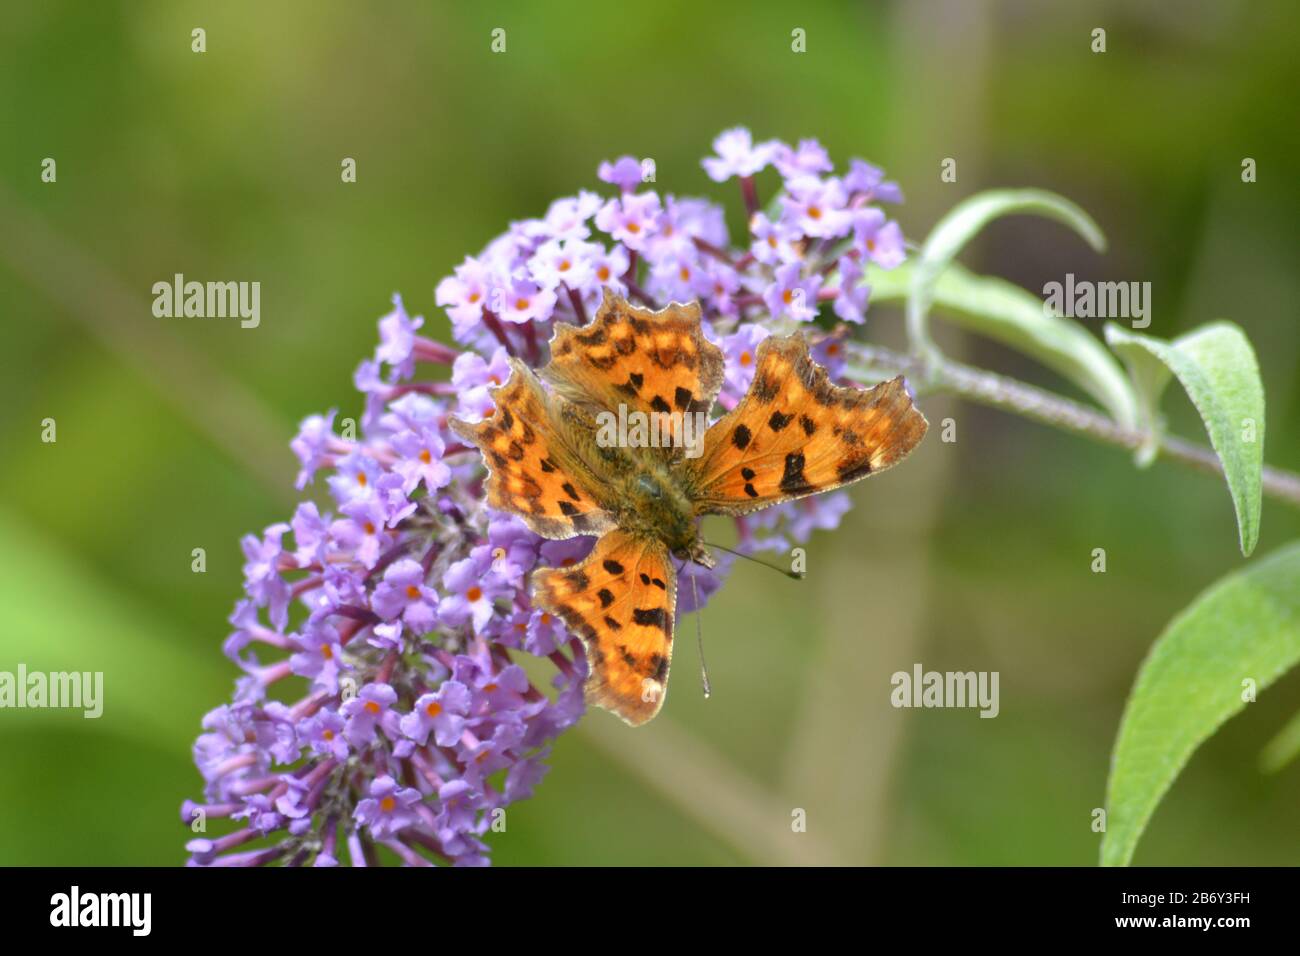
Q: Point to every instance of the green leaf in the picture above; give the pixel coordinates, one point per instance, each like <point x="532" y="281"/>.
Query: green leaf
<point x="962" y="224"/>
<point x="1283" y="748"/>
<point x="1149" y="376"/>
<point x="1006" y="313"/>
<point x="1244" y="626"/>
<point x="1217" y="368"/>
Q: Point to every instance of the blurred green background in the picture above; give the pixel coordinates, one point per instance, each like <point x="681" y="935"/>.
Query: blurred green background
<point x="173" y="434"/>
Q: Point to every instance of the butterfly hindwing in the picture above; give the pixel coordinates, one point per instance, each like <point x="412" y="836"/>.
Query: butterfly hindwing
<point x="621" y="601"/>
<point x="535" y="467"/>
<point x="649" y="362"/>
<point x="795" y="433"/>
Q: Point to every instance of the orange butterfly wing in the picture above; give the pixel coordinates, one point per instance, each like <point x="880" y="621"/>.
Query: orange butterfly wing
<point x="650" y="362"/>
<point x="796" y="434"/>
<point x="533" y="452"/>
<point x="621" y="601"/>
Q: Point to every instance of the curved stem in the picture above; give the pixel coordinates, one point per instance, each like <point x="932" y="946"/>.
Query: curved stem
<point x="1029" y="401"/>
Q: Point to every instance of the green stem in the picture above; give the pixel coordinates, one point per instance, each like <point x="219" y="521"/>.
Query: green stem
<point x="938" y="374"/>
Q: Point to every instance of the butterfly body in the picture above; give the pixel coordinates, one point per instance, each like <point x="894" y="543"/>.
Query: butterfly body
<point x="794" y="433"/>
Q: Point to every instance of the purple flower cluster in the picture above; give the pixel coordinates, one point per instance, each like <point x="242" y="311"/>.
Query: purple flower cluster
<point x="396" y="612"/>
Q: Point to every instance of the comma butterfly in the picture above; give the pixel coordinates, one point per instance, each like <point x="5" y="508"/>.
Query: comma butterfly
<point x="793" y="434"/>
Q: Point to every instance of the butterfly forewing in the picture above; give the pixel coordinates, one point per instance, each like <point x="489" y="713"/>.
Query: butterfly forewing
<point x="647" y="362"/>
<point x="795" y="434"/>
<point x="536" y="467"/>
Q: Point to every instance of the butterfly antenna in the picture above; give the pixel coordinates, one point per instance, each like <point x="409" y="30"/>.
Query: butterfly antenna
<point x="699" y="638"/>
<point x="796" y="575"/>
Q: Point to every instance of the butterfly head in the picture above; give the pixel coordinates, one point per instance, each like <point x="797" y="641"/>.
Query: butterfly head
<point x="695" y="552"/>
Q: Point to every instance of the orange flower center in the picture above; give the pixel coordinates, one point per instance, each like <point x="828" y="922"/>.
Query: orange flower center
<point x="426" y="457"/>
<point x="372" y="707"/>
<point x="521" y="304"/>
<point x="814" y="212"/>
<point x="361" y="478"/>
<point x="327" y="652"/>
<point x="387" y="804"/>
<point x="474" y="593"/>
<point x="746" y="358"/>
<point x="412" y="592"/>
<point x="327" y="734"/>
<point x="634" y="227"/>
<point x="370" y="527"/>
<point x="787" y="296"/>
<point x="434" y="709"/>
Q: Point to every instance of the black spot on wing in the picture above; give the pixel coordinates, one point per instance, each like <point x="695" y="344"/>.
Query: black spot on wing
<point x="659" y="666"/>
<point x="741" y="437"/>
<point x="850" y="469"/>
<point x="793" y="481"/>
<point x="682" y="398"/>
<point x="764" y="388"/>
<point x="651" y="617"/>
<point x="613" y="567"/>
<point x="848" y="436"/>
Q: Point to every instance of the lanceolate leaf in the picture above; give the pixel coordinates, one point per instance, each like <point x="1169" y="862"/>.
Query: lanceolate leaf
<point x="1217" y="368"/>
<point x="1283" y="748"/>
<point x="962" y="224"/>
<point x="1006" y="313"/>
<point x="1235" y="639"/>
